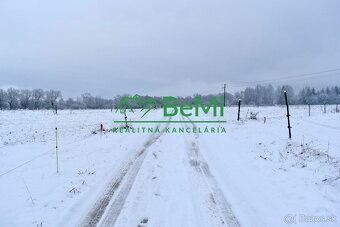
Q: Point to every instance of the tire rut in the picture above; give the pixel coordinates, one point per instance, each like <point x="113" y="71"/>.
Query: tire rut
<point x="107" y="208"/>
<point x="217" y="198"/>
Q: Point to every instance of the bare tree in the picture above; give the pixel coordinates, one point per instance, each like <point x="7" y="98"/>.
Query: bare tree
<point x="25" y="99"/>
<point x="37" y="96"/>
<point x="88" y="101"/>
<point x="12" y="98"/>
<point x="52" y="97"/>
<point x="3" y="99"/>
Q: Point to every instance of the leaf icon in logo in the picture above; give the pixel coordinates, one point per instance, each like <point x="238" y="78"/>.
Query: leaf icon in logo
<point x="124" y="103"/>
<point x="136" y="101"/>
<point x="151" y="102"/>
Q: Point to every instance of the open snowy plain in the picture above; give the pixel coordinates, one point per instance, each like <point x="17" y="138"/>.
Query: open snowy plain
<point x="249" y="175"/>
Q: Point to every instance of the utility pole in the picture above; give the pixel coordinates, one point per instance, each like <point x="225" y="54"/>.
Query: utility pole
<point x="288" y="115"/>
<point x="224" y="87"/>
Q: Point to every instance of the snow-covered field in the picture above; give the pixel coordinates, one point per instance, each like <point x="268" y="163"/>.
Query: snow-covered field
<point x="251" y="175"/>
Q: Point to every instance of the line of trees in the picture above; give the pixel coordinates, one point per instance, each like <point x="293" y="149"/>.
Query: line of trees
<point x="28" y="99"/>
<point x="259" y="95"/>
<point x="39" y="99"/>
<point x="267" y="95"/>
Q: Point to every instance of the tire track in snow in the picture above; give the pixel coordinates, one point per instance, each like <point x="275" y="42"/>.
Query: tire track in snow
<point x="217" y="199"/>
<point x="108" y="207"/>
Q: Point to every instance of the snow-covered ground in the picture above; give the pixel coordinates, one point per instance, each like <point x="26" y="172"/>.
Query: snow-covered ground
<point x="251" y="175"/>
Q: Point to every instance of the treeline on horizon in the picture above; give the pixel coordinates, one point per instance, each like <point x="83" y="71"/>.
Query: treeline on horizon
<point x="259" y="95"/>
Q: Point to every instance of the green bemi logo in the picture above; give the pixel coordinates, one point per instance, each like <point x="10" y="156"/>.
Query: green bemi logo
<point x="171" y="107"/>
<point x="189" y="113"/>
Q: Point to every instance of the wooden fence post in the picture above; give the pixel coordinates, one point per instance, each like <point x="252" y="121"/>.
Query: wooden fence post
<point x="239" y="107"/>
<point x="288" y="115"/>
<point x="56" y="148"/>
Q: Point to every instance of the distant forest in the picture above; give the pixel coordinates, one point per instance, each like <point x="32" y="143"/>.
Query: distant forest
<point x="259" y="95"/>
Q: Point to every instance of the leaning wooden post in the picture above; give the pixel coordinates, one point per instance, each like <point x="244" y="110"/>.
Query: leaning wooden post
<point x="126" y="124"/>
<point x="288" y="115"/>
<point x="309" y="109"/>
<point x="56" y="148"/>
<point x="239" y="107"/>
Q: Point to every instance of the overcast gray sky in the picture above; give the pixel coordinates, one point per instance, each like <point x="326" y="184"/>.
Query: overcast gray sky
<point x="165" y="47"/>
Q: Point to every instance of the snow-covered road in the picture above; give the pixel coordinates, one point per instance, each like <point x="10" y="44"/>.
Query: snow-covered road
<point x="172" y="186"/>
